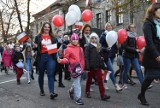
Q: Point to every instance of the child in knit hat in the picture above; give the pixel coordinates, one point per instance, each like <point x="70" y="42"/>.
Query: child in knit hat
<point x="72" y="54"/>
<point x="94" y="64"/>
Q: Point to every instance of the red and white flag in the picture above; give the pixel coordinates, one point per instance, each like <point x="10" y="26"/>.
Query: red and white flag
<point x="106" y="75"/>
<point x="154" y="1"/>
<point x="52" y="48"/>
<point x="88" y="2"/>
<point x="78" y="25"/>
<point x="22" y="37"/>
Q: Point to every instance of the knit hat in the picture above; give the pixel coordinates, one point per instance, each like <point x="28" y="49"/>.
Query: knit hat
<point x="74" y="36"/>
<point x="94" y="35"/>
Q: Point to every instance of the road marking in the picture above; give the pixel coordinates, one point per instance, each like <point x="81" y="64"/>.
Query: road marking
<point x="11" y="80"/>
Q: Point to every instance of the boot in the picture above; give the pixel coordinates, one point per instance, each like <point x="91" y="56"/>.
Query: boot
<point x="143" y="100"/>
<point x="88" y="95"/>
<point x="105" y="97"/>
<point x="18" y="82"/>
<point x="61" y="85"/>
<point x="32" y="77"/>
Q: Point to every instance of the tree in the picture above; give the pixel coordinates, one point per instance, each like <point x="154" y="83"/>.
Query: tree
<point x="6" y="15"/>
<point x="15" y="13"/>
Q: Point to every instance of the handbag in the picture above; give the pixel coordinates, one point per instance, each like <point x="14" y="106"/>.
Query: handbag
<point x="20" y="64"/>
<point x="76" y="68"/>
<point x="120" y="60"/>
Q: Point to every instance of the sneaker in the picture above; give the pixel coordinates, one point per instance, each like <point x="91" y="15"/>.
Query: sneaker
<point x="91" y="90"/>
<point x="133" y="83"/>
<point x="61" y="85"/>
<point x="150" y="86"/>
<point x="71" y="94"/>
<point x="124" y="86"/>
<point x="79" y="102"/>
<point x="42" y="93"/>
<point x="105" y="97"/>
<point x="118" y="88"/>
<point x="53" y="95"/>
<point x="29" y="82"/>
<point x="106" y="87"/>
<point x="156" y="81"/>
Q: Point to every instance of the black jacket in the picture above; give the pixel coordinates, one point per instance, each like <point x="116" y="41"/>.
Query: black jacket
<point x="82" y="42"/>
<point x="93" y="59"/>
<point x="38" y="40"/>
<point x="104" y="50"/>
<point x="16" y="57"/>
<point x="129" y="48"/>
<point x="152" y="45"/>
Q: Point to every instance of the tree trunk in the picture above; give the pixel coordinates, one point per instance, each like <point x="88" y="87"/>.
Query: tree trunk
<point x="9" y="22"/>
<point x="18" y="14"/>
<point x="28" y="14"/>
<point x="3" y="31"/>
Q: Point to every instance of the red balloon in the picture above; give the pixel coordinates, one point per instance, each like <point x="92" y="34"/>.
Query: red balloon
<point x="58" y="20"/>
<point x="122" y="35"/>
<point x="87" y="15"/>
<point x="140" y="42"/>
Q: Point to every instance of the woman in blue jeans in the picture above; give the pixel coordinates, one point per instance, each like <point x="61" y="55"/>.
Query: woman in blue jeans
<point x="105" y="54"/>
<point x="46" y="62"/>
<point x="130" y="55"/>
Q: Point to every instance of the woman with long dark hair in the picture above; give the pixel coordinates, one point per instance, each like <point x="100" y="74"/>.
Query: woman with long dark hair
<point x="151" y="58"/>
<point x="46" y="62"/>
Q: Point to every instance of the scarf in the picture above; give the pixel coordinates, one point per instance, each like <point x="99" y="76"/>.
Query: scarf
<point x="94" y="44"/>
<point x="87" y="38"/>
<point x="132" y="34"/>
<point x="157" y="22"/>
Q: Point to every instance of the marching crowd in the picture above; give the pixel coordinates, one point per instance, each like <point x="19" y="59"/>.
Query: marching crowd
<point x="83" y="54"/>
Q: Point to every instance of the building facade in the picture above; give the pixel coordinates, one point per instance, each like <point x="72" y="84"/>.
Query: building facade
<point x="119" y="12"/>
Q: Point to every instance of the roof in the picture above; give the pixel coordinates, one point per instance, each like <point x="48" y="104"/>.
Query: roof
<point x="48" y="9"/>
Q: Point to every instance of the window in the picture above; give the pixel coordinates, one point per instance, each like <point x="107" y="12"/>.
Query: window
<point x="41" y="24"/>
<point x="98" y="1"/>
<point x="119" y="14"/>
<point x="99" y="20"/>
<point x="108" y="15"/>
<point x="37" y="28"/>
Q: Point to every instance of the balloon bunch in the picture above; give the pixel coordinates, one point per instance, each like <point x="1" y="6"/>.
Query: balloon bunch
<point x="112" y="37"/>
<point x="73" y="15"/>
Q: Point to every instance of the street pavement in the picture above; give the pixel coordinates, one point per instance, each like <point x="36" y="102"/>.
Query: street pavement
<point x="27" y="95"/>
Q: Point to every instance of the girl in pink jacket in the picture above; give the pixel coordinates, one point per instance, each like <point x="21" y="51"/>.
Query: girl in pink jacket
<point x="73" y="54"/>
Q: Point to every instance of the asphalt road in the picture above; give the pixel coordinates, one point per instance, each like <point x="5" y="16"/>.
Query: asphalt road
<point x="27" y="95"/>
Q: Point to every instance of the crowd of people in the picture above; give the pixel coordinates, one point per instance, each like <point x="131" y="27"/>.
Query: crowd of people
<point x="85" y="55"/>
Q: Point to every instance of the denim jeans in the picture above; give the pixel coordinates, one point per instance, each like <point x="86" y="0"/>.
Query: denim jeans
<point x="28" y="64"/>
<point x="76" y="87"/>
<point x="127" y="64"/>
<point x="110" y="68"/>
<point x="46" y="63"/>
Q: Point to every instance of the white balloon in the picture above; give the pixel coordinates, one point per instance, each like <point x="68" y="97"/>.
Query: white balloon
<point x="111" y="38"/>
<point x="70" y="18"/>
<point x="77" y="10"/>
